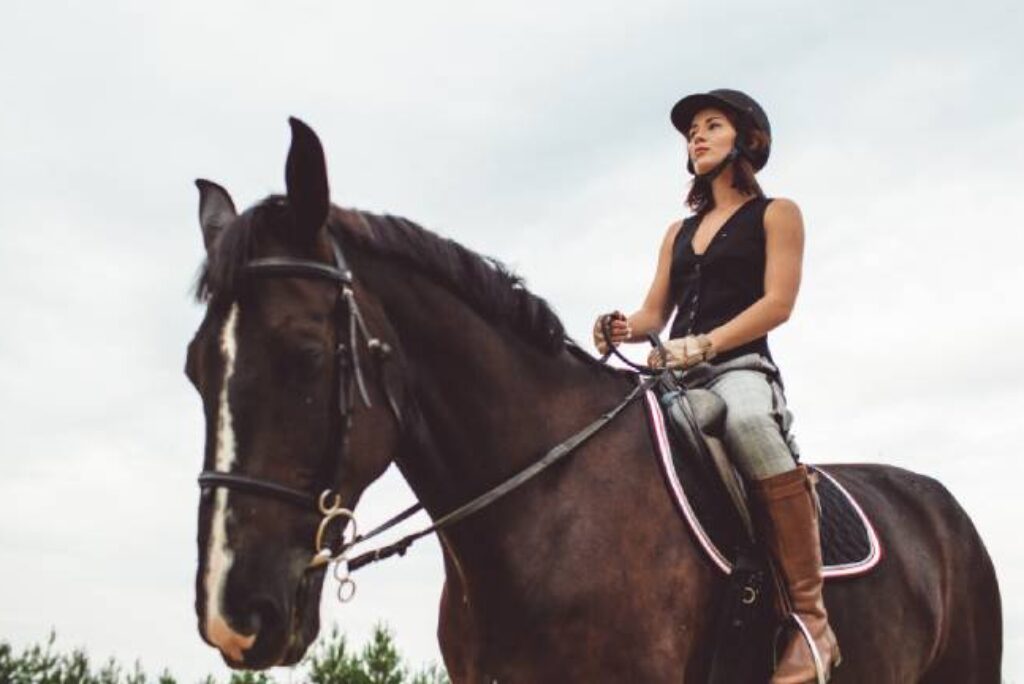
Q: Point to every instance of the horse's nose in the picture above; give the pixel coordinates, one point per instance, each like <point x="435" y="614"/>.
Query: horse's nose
<point x="261" y="623"/>
<point x="231" y="643"/>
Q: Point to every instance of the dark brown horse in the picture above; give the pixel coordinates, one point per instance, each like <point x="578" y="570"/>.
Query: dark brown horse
<point x="584" y="574"/>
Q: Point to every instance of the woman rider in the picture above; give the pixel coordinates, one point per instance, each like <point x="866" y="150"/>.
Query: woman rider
<point x="732" y="272"/>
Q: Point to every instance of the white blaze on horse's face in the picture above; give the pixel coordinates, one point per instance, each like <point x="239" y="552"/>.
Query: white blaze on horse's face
<point x="219" y="555"/>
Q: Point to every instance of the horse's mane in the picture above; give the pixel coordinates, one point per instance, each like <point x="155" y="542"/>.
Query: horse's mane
<point x="488" y="286"/>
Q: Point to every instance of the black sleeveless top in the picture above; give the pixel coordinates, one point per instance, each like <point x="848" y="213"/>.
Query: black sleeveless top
<point x="711" y="288"/>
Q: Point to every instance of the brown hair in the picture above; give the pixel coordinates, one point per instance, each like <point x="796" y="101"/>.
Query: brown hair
<point x="700" y="199"/>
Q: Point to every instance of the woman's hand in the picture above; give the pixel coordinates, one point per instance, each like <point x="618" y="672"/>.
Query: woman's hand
<point x="683" y="352"/>
<point x="618" y="329"/>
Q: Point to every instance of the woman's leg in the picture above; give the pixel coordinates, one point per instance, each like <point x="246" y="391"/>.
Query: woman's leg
<point x="757" y="438"/>
<point x="756" y="423"/>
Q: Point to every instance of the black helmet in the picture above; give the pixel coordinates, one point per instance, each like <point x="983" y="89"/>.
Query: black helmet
<point x="750" y="113"/>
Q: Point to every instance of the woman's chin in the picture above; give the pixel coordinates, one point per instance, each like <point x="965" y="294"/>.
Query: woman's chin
<point x="702" y="166"/>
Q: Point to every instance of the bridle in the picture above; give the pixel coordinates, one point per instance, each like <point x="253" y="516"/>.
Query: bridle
<point x="349" y="327"/>
<point x="327" y="503"/>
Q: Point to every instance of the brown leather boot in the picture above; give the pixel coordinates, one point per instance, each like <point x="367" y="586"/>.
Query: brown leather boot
<point x="790" y="529"/>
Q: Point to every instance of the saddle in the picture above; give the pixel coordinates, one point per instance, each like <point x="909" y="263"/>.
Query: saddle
<point x="711" y="494"/>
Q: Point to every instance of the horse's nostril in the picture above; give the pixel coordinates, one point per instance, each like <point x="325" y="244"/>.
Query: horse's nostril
<point x="263" y="619"/>
<point x="264" y="615"/>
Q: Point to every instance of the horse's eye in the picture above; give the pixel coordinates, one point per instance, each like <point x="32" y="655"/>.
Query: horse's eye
<point x="310" y="359"/>
<point x="313" y="355"/>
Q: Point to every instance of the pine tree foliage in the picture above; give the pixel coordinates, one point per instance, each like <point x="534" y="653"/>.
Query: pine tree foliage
<point x="380" y="658"/>
<point x="250" y="678"/>
<point x="331" y="661"/>
<point x="42" y="664"/>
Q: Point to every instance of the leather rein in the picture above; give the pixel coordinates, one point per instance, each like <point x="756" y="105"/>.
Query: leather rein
<point x="327" y="504"/>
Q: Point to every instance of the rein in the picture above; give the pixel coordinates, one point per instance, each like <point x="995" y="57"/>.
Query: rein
<point x="328" y="504"/>
<point x="553" y="455"/>
<point x="606" y="332"/>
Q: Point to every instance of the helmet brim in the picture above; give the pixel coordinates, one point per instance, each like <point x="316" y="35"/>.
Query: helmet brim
<point x="684" y="110"/>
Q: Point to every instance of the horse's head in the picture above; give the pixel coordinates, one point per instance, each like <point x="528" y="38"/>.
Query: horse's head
<point x="282" y="360"/>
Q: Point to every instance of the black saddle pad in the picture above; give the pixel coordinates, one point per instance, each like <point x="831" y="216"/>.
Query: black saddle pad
<point x="849" y="544"/>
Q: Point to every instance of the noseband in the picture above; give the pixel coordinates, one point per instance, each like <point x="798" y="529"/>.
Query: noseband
<point x="349" y="326"/>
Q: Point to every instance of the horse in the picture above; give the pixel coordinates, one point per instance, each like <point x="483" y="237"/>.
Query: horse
<point x="336" y="342"/>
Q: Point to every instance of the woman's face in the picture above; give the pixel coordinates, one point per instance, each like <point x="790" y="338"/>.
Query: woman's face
<point x="710" y="139"/>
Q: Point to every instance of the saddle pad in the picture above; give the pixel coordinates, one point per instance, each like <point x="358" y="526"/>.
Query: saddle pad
<point x="849" y="544"/>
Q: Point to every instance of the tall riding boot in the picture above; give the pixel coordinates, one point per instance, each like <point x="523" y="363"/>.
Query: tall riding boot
<point x="790" y="530"/>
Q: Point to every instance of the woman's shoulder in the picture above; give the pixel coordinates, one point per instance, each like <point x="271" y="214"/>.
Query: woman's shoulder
<point x="681" y="224"/>
<point x="781" y="211"/>
<point x="672" y="233"/>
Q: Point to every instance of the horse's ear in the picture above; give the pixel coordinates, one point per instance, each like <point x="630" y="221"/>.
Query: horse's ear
<point x="216" y="210"/>
<point x="306" y="179"/>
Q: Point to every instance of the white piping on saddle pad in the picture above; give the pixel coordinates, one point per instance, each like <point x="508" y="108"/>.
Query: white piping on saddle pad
<point x="875" y="555"/>
<point x="717" y="557"/>
<point x="665" y="454"/>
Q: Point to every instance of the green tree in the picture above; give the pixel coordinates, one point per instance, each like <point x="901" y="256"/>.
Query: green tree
<point x="250" y="678"/>
<point x="380" y="658"/>
<point x="41" y="664"/>
<point x="330" y="662"/>
<point x="431" y="675"/>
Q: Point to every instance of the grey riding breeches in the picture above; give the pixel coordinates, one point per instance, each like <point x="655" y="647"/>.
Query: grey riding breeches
<point x="757" y="423"/>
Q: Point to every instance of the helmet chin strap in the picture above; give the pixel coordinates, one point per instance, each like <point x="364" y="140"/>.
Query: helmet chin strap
<point x="711" y="175"/>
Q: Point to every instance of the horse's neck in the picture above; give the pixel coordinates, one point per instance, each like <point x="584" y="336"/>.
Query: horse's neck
<point x="491" y="402"/>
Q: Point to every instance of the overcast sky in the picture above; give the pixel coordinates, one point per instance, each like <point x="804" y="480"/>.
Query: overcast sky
<point x="534" y="132"/>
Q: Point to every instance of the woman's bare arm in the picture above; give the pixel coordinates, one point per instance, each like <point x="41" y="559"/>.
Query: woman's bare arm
<point x="656" y="309"/>
<point x="654" y="313"/>
<point x="784" y="250"/>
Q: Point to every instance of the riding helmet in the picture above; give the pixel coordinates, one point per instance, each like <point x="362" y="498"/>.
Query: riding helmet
<point x="748" y="110"/>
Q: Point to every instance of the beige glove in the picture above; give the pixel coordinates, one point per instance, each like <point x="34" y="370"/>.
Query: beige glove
<point x="620" y="330"/>
<point x="683" y="352"/>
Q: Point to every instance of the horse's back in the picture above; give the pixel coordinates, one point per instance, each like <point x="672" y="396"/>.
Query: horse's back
<point x="930" y="611"/>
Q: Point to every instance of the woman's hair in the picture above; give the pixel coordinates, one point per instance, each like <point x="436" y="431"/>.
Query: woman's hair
<point x="700" y="199"/>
